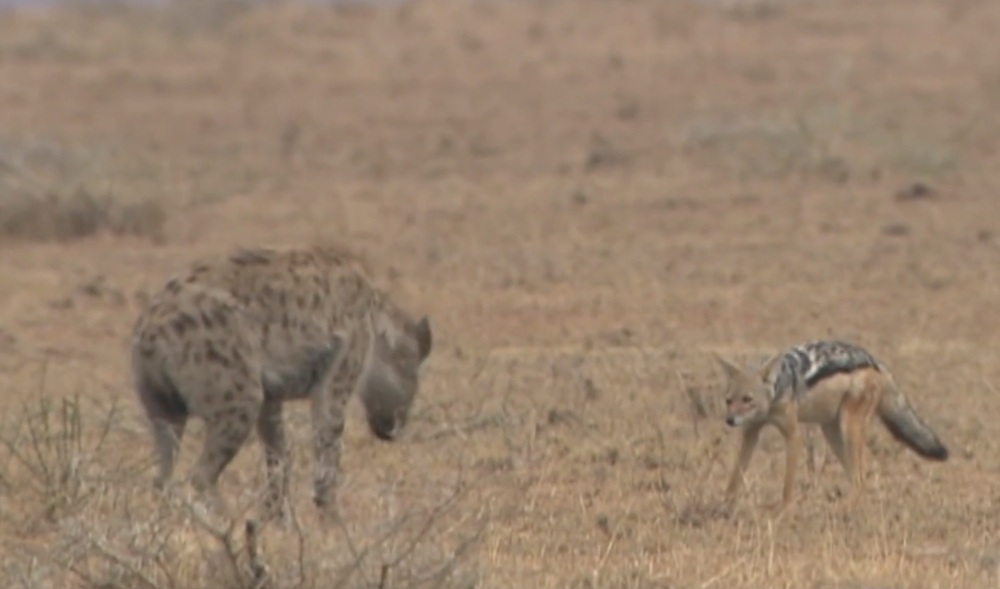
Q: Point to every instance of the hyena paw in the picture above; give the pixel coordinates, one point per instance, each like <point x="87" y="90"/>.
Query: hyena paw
<point x="327" y="511"/>
<point x="276" y="512"/>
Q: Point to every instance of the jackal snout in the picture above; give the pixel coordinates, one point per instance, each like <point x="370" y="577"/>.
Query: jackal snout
<point x="739" y="408"/>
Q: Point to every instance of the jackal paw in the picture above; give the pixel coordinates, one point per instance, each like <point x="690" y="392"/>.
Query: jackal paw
<point x="162" y="486"/>
<point x="847" y="497"/>
<point x="777" y="509"/>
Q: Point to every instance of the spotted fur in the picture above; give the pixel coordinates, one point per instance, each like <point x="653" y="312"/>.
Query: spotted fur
<point x="235" y="336"/>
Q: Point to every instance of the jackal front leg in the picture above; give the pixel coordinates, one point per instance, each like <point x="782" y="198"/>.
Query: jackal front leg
<point x="791" y="430"/>
<point x="748" y="443"/>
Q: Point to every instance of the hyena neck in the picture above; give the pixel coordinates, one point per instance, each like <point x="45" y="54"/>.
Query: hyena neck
<point x="805" y="365"/>
<point x="383" y="304"/>
<point x="367" y="331"/>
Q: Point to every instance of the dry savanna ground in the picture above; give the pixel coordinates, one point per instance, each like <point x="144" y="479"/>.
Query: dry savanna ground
<point x="587" y="198"/>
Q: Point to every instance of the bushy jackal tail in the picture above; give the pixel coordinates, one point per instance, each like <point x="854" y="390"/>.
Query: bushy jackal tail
<point x="906" y="426"/>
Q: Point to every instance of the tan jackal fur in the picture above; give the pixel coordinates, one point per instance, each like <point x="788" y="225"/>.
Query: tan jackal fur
<point x="835" y="384"/>
<point x="235" y="336"/>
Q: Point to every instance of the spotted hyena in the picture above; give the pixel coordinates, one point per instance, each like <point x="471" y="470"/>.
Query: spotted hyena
<point x="234" y="337"/>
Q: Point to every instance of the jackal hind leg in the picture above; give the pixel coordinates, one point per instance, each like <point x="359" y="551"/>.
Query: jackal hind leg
<point x="815" y="455"/>
<point x="831" y="432"/>
<point x="856" y="428"/>
<point x="850" y="432"/>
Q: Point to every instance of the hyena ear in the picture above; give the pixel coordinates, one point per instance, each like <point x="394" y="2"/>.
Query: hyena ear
<point x="425" y="338"/>
<point x="731" y="370"/>
<point x="765" y="370"/>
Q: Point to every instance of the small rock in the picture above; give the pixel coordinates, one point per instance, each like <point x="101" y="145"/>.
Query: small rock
<point x="915" y="191"/>
<point x="895" y="230"/>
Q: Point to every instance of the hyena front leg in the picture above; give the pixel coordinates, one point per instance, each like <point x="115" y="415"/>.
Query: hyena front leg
<point x="313" y="375"/>
<point x="329" y="416"/>
<point x="226" y="430"/>
<point x="329" y="405"/>
<point x="271" y="430"/>
<point x="167" y="436"/>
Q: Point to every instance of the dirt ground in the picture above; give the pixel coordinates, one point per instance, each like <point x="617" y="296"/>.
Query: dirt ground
<point x="587" y="198"/>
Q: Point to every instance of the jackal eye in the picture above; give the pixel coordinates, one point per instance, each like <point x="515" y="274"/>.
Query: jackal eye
<point x="748" y="399"/>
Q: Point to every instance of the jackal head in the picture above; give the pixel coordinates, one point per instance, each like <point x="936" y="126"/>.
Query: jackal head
<point x="748" y="392"/>
<point x="401" y="346"/>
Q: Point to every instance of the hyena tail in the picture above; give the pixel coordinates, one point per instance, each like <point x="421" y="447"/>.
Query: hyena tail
<point x="905" y="425"/>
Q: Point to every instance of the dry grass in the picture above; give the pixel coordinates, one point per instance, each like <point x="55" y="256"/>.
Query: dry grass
<point x="62" y="481"/>
<point x="586" y="197"/>
<point x="50" y="193"/>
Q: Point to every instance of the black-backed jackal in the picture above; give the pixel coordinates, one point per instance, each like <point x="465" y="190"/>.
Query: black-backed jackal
<point x="834" y="384"/>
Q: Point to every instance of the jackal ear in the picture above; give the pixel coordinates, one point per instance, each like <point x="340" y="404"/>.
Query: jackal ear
<point x="731" y="370"/>
<point x="765" y="370"/>
<point x="425" y="338"/>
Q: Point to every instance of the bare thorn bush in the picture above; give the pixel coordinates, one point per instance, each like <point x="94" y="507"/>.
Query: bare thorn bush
<point x="45" y="455"/>
<point x="178" y="546"/>
<point x="104" y="527"/>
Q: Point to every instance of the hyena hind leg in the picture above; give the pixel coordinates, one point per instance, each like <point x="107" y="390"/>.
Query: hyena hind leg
<point x="167" y="436"/>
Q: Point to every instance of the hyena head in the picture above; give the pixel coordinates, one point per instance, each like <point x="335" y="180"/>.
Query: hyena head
<point x="401" y="345"/>
<point x="748" y="392"/>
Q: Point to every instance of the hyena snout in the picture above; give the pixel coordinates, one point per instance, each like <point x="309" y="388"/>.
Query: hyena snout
<point x="387" y="400"/>
<point x="386" y="428"/>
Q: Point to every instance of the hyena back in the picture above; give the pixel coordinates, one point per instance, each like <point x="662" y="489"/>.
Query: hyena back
<point x="236" y="336"/>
